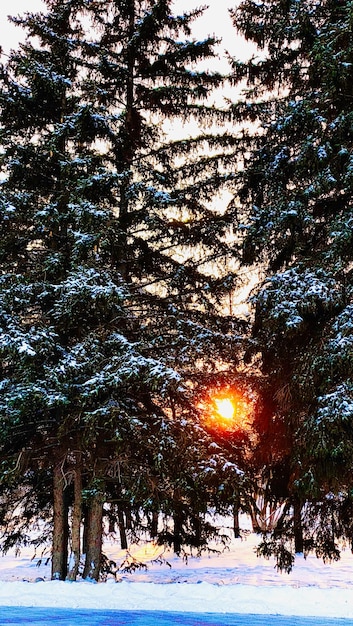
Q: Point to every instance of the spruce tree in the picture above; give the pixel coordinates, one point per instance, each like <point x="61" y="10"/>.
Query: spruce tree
<point x="110" y="309"/>
<point x="295" y="212"/>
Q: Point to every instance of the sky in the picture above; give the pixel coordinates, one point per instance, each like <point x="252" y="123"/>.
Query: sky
<point x="236" y="581"/>
<point x="216" y="21"/>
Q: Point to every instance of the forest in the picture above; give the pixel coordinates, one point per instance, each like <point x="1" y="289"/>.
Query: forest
<point x="137" y="397"/>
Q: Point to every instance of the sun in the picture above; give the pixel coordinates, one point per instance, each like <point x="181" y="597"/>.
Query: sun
<point x="225" y="408"/>
<point x="228" y="410"/>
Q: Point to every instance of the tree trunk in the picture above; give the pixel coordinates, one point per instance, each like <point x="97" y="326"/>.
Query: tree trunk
<point x="131" y="143"/>
<point x="154" y="524"/>
<point x="128" y="517"/>
<point x="85" y="527"/>
<point x="122" y="529"/>
<point x="178" y="527"/>
<point x="94" y="536"/>
<point x="76" y="519"/>
<point x="111" y="520"/>
<point x="236" y="523"/>
<point x="60" y="526"/>
<point x="298" y="528"/>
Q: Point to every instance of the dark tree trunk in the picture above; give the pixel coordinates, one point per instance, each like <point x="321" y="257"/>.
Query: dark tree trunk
<point x="177" y="537"/>
<point x="128" y="518"/>
<point x="85" y="527"/>
<point x="76" y="519"/>
<point x="154" y="524"/>
<point x="112" y="522"/>
<point x="236" y="523"/>
<point x="298" y="528"/>
<point x="122" y="528"/>
<point x="94" y="533"/>
<point x="60" y="526"/>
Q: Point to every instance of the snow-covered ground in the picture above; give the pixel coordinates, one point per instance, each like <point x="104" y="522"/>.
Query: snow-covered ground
<point x="236" y="581"/>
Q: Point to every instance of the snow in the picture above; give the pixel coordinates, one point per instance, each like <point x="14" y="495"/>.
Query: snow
<point x="236" y="581"/>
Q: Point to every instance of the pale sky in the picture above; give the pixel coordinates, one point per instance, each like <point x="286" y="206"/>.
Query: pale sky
<point x="216" y="21"/>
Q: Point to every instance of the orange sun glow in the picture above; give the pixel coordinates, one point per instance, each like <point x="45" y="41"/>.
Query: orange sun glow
<point x="225" y="408"/>
<point x="228" y="410"/>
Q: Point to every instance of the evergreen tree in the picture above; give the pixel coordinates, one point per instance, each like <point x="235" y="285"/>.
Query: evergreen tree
<point x="109" y="304"/>
<point x="295" y="194"/>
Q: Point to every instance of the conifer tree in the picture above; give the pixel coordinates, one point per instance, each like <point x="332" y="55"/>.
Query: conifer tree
<point x="108" y="298"/>
<point x="295" y="195"/>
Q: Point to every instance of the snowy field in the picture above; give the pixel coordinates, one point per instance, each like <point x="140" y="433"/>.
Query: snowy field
<point x="236" y="581"/>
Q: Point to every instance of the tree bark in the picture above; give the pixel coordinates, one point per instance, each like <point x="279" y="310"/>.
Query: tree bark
<point x="76" y="519"/>
<point x="236" y="523"/>
<point x="122" y="529"/>
<point x="94" y="532"/>
<point x="178" y="528"/>
<point x="154" y="524"/>
<point x="60" y="526"/>
<point x="298" y="528"/>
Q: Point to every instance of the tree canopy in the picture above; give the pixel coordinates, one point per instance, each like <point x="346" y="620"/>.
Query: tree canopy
<point x="110" y="305"/>
<point x="295" y="212"/>
<point x="117" y="261"/>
